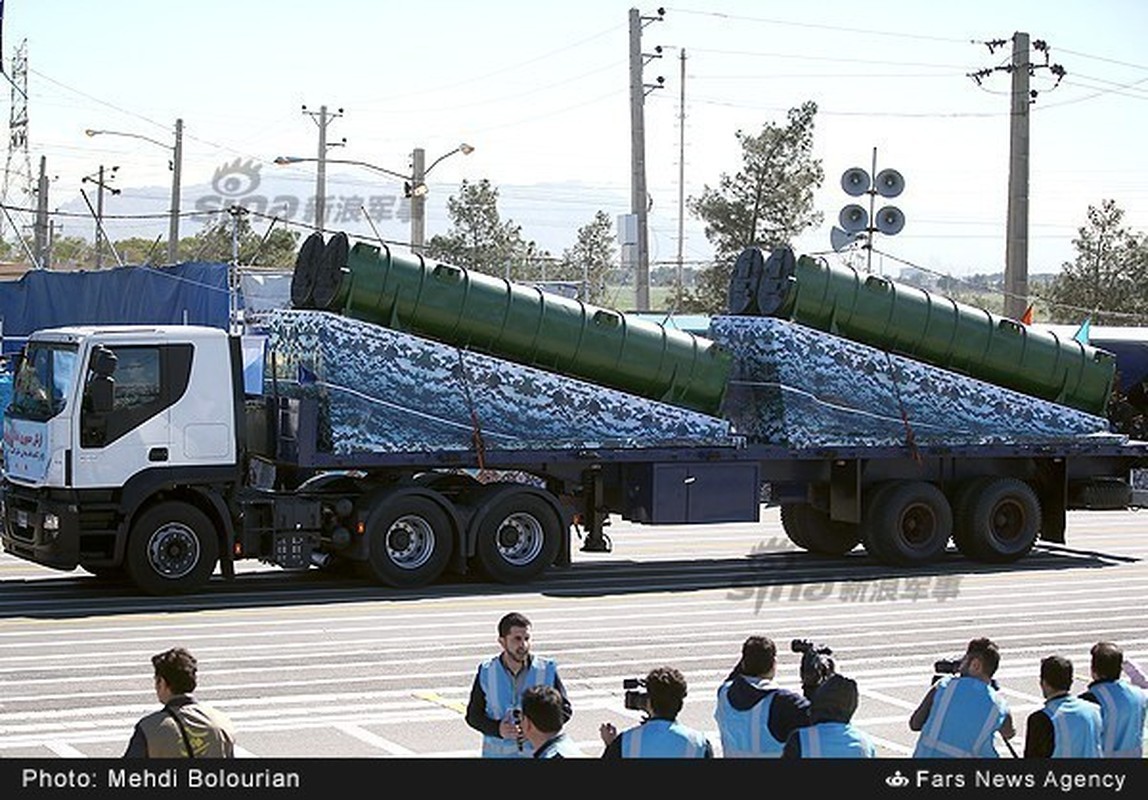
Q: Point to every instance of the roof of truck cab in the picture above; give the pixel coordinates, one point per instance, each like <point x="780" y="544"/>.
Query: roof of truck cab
<point x="77" y="332"/>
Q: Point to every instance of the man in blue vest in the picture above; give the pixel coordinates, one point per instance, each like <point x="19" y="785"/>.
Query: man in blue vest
<point x="1122" y="705"/>
<point x="495" y="707"/>
<point x="960" y="713"/>
<point x="543" y="715"/>
<point x="1067" y="726"/>
<point x="754" y="715"/>
<point x="831" y="733"/>
<point x="659" y="735"/>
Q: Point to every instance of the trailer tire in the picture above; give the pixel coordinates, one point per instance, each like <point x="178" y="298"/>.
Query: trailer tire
<point x="172" y="549"/>
<point x="816" y="532"/>
<point x="518" y="537"/>
<point x="410" y="541"/>
<point x="908" y="523"/>
<point x="997" y="520"/>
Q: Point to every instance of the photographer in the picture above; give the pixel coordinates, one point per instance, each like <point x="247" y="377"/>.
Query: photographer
<point x="659" y="735"/>
<point x="1067" y="726"/>
<point x="1123" y="704"/>
<point x="960" y="713"/>
<point x="831" y="734"/>
<point x="754" y="715"/>
<point x="543" y="715"/>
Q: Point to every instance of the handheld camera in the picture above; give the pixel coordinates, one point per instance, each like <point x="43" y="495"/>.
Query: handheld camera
<point x="635" y="698"/>
<point x="816" y="664"/>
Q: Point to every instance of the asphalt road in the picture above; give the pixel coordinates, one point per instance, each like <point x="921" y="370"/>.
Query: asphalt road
<point x="314" y="665"/>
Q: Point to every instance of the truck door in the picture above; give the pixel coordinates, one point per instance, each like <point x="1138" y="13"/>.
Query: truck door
<point x="125" y="424"/>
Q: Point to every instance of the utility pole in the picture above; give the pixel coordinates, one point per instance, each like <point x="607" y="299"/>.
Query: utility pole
<point x="322" y="119"/>
<point x="681" y="178"/>
<point x="176" y="167"/>
<point x="40" y="229"/>
<point x="418" y="199"/>
<point x="1016" y="243"/>
<point x="639" y="205"/>
<point x="101" y="185"/>
<point x="1022" y="96"/>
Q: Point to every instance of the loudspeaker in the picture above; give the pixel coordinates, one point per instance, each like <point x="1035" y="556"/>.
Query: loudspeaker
<point x="855" y="181"/>
<point x="840" y="239"/>
<point x="853" y="218"/>
<point x="890" y="220"/>
<point x="889" y="183"/>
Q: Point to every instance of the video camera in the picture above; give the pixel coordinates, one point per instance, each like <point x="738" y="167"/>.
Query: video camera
<point x="816" y="664"/>
<point x="635" y="698"/>
<point x="952" y="666"/>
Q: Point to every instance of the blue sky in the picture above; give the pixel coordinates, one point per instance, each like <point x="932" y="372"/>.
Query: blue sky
<point x="541" y="91"/>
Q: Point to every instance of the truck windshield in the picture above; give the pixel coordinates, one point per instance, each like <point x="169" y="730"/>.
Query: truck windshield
<point x="43" y="381"/>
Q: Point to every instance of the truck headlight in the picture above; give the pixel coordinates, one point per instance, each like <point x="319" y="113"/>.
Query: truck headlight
<point x="51" y="523"/>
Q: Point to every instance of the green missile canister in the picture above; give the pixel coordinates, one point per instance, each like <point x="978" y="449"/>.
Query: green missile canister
<point x="520" y="323"/>
<point x="876" y="311"/>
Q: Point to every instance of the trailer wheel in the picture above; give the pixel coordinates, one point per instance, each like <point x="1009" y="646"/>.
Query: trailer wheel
<point x="410" y="541"/>
<point x="813" y="530"/>
<point x="519" y="536"/>
<point x="908" y="523"/>
<point x="172" y="549"/>
<point x="998" y="520"/>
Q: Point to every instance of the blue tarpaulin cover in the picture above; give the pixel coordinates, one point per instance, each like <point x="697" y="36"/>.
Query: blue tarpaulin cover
<point x="193" y="293"/>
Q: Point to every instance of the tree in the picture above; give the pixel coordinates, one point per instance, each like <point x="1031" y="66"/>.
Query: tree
<point x="480" y="240"/>
<point x="591" y="258"/>
<point x="1108" y="274"/>
<point x="765" y="204"/>
<point x="216" y="242"/>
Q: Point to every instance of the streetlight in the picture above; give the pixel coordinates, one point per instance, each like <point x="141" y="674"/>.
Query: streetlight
<point x="176" y="167"/>
<point x="414" y="184"/>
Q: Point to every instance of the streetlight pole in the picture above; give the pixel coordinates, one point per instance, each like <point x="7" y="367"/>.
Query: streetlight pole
<point x="322" y="119"/>
<point x="176" y="167"/>
<point x="414" y="185"/>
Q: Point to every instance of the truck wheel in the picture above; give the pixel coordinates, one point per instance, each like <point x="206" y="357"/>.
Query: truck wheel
<point x="410" y="541"/>
<point x="908" y="523"/>
<point x="998" y="520"/>
<point x="172" y="549"/>
<point x="792" y="522"/>
<point x="518" y="538"/>
<point x="819" y="533"/>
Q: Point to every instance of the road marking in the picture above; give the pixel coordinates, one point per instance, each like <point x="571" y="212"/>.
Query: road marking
<point x="364" y="735"/>
<point x="438" y="699"/>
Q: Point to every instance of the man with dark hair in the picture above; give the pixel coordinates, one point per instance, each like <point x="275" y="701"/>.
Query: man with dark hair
<point x="1067" y="726"/>
<point x="183" y="728"/>
<point x="659" y="735"/>
<point x="754" y="715"/>
<point x="831" y="733"/>
<point x="1123" y="706"/>
<point x="543" y="715"/>
<point x="960" y="713"/>
<point x="495" y="707"/>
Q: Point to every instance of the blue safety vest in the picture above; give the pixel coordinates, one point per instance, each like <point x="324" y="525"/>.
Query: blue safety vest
<point x="661" y="738"/>
<point x="561" y="746"/>
<point x="504" y="693"/>
<point x="965" y="714"/>
<point x="1122" y="708"/>
<point x="835" y="740"/>
<point x="745" y="734"/>
<point x="1076" y="727"/>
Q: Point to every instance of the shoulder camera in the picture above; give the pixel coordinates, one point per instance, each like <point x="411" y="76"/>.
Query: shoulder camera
<point x="816" y="664"/>
<point x="634" y="698"/>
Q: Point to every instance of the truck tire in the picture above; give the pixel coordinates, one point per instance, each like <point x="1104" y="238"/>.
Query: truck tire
<point x="908" y="523"/>
<point x="410" y="541"/>
<point x="817" y="532"/>
<point x="997" y="520"/>
<point x="172" y="549"/>
<point x="518" y="537"/>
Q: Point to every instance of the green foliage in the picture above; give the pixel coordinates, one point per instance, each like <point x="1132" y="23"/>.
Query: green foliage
<point x="766" y="203"/>
<point x="481" y="241"/>
<point x="591" y="258"/>
<point x="1109" y="273"/>
<point x="272" y="247"/>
